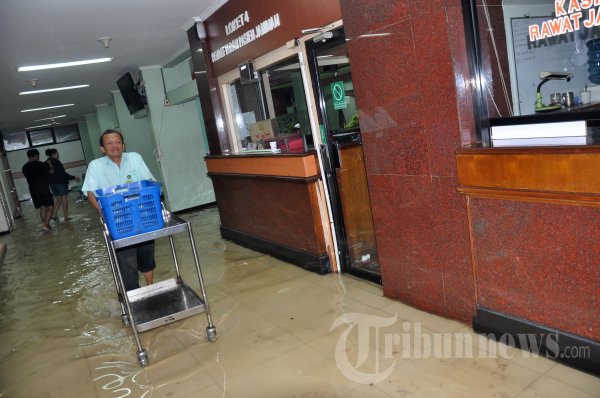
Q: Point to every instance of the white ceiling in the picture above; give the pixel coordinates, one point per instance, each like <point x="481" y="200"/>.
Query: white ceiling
<point x="32" y="32"/>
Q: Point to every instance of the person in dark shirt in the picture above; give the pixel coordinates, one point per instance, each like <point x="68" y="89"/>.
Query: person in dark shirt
<point x="36" y="173"/>
<point x="59" y="183"/>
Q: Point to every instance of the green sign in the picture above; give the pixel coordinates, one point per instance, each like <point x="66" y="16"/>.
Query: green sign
<point x="339" y="95"/>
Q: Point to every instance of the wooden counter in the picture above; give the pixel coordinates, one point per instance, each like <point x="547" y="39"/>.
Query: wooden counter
<point x="566" y="175"/>
<point x="533" y="221"/>
<point x="271" y="203"/>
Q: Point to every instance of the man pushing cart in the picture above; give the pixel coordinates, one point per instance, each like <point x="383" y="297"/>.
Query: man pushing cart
<point x="122" y="188"/>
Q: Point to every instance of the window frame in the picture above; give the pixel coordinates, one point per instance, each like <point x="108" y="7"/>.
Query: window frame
<point x="481" y="113"/>
<point x="225" y="80"/>
<point x="53" y="135"/>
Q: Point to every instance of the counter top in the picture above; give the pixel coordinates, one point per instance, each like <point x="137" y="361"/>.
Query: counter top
<point x="300" y="165"/>
<point x="261" y="155"/>
<point x="506" y="150"/>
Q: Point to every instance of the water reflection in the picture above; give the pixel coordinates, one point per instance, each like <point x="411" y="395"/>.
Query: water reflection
<point x="59" y="307"/>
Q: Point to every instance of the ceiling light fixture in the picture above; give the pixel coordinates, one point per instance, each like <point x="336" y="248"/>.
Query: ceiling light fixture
<point x="63" y="64"/>
<point x="105" y="41"/>
<point x="49" y="118"/>
<point x="41" y="125"/>
<point x="48" y="90"/>
<point x="47" y="107"/>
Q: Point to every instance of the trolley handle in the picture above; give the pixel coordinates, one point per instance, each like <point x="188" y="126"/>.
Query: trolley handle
<point x="165" y="213"/>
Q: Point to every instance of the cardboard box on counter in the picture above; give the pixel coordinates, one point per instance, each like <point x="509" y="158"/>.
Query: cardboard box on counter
<point x="264" y="130"/>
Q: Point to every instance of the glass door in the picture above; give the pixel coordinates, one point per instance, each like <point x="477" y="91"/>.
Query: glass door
<point x="346" y="176"/>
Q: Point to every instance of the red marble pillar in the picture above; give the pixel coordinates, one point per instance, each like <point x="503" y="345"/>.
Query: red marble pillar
<point x="411" y="88"/>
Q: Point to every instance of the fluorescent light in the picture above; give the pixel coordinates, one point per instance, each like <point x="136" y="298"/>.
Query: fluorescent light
<point x="49" y="118"/>
<point x="47" y="107"/>
<point x="41" y="125"/>
<point x="63" y="64"/>
<point x="53" y="89"/>
<point x="374" y="35"/>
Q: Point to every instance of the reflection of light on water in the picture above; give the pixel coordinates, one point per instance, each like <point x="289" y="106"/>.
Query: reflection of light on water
<point x="123" y="383"/>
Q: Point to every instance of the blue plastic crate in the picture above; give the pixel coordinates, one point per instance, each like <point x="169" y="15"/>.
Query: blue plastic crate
<point x="131" y="209"/>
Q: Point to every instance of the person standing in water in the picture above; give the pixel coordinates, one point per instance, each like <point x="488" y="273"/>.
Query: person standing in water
<point x="59" y="183"/>
<point x="36" y="173"/>
<point x="116" y="168"/>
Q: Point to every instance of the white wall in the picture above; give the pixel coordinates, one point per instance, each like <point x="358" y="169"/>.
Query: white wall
<point x="137" y="134"/>
<point x="180" y="139"/>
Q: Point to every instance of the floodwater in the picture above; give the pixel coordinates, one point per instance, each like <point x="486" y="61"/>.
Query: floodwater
<point x="282" y="331"/>
<point x="61" y="332"/>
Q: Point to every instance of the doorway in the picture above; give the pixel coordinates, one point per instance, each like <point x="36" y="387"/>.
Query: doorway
<point x="342" y="154"/>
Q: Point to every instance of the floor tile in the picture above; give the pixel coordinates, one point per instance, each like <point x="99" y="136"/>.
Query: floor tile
<point x="247" y="345"/>
<point x="427" y="320"/>
<point x="274" y="294"/>
<point x="300" y="373"/>
<point x="312" y="318"/>
<point x="547" y="387"/>
<point x="213" y="391"/>
<point x="370" y="391"/>
<point x="484" y="347"/>
<point x="457" y="378"/>
<point x="580" y="380"/>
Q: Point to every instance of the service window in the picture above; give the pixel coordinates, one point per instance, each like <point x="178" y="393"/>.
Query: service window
<point x="535" y="62"/>
<point x="538" y="56"/>
<point x="270" y="110"/>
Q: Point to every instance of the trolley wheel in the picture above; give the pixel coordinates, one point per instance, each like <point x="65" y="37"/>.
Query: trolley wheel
<point x="125" y="319"/>
<point x="142" y="358"/>
<point x="211" y="333"/>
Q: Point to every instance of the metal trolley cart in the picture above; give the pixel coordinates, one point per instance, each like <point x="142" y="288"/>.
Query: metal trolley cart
<point x="164" y="302"/>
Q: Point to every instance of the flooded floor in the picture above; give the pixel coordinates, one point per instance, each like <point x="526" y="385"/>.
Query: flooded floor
<point x="282" y="331"/>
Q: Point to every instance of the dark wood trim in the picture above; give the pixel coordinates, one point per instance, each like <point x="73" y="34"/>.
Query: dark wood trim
<point x="209" y="99"/>
<point x="562" y="198"/>
<point x="262" y="155"/>
<point x="546" y="150"/>
<point x="266" y="177"/>
<point x="283" y="166"/>
<point x="318" y="264"/>
<point x="573" y="174"/>
<point x="560" y="347"/>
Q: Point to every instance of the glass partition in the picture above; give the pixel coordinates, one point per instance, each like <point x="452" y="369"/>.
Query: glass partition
<point x="270" y="113"/>
<point x="538" y="56"/>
